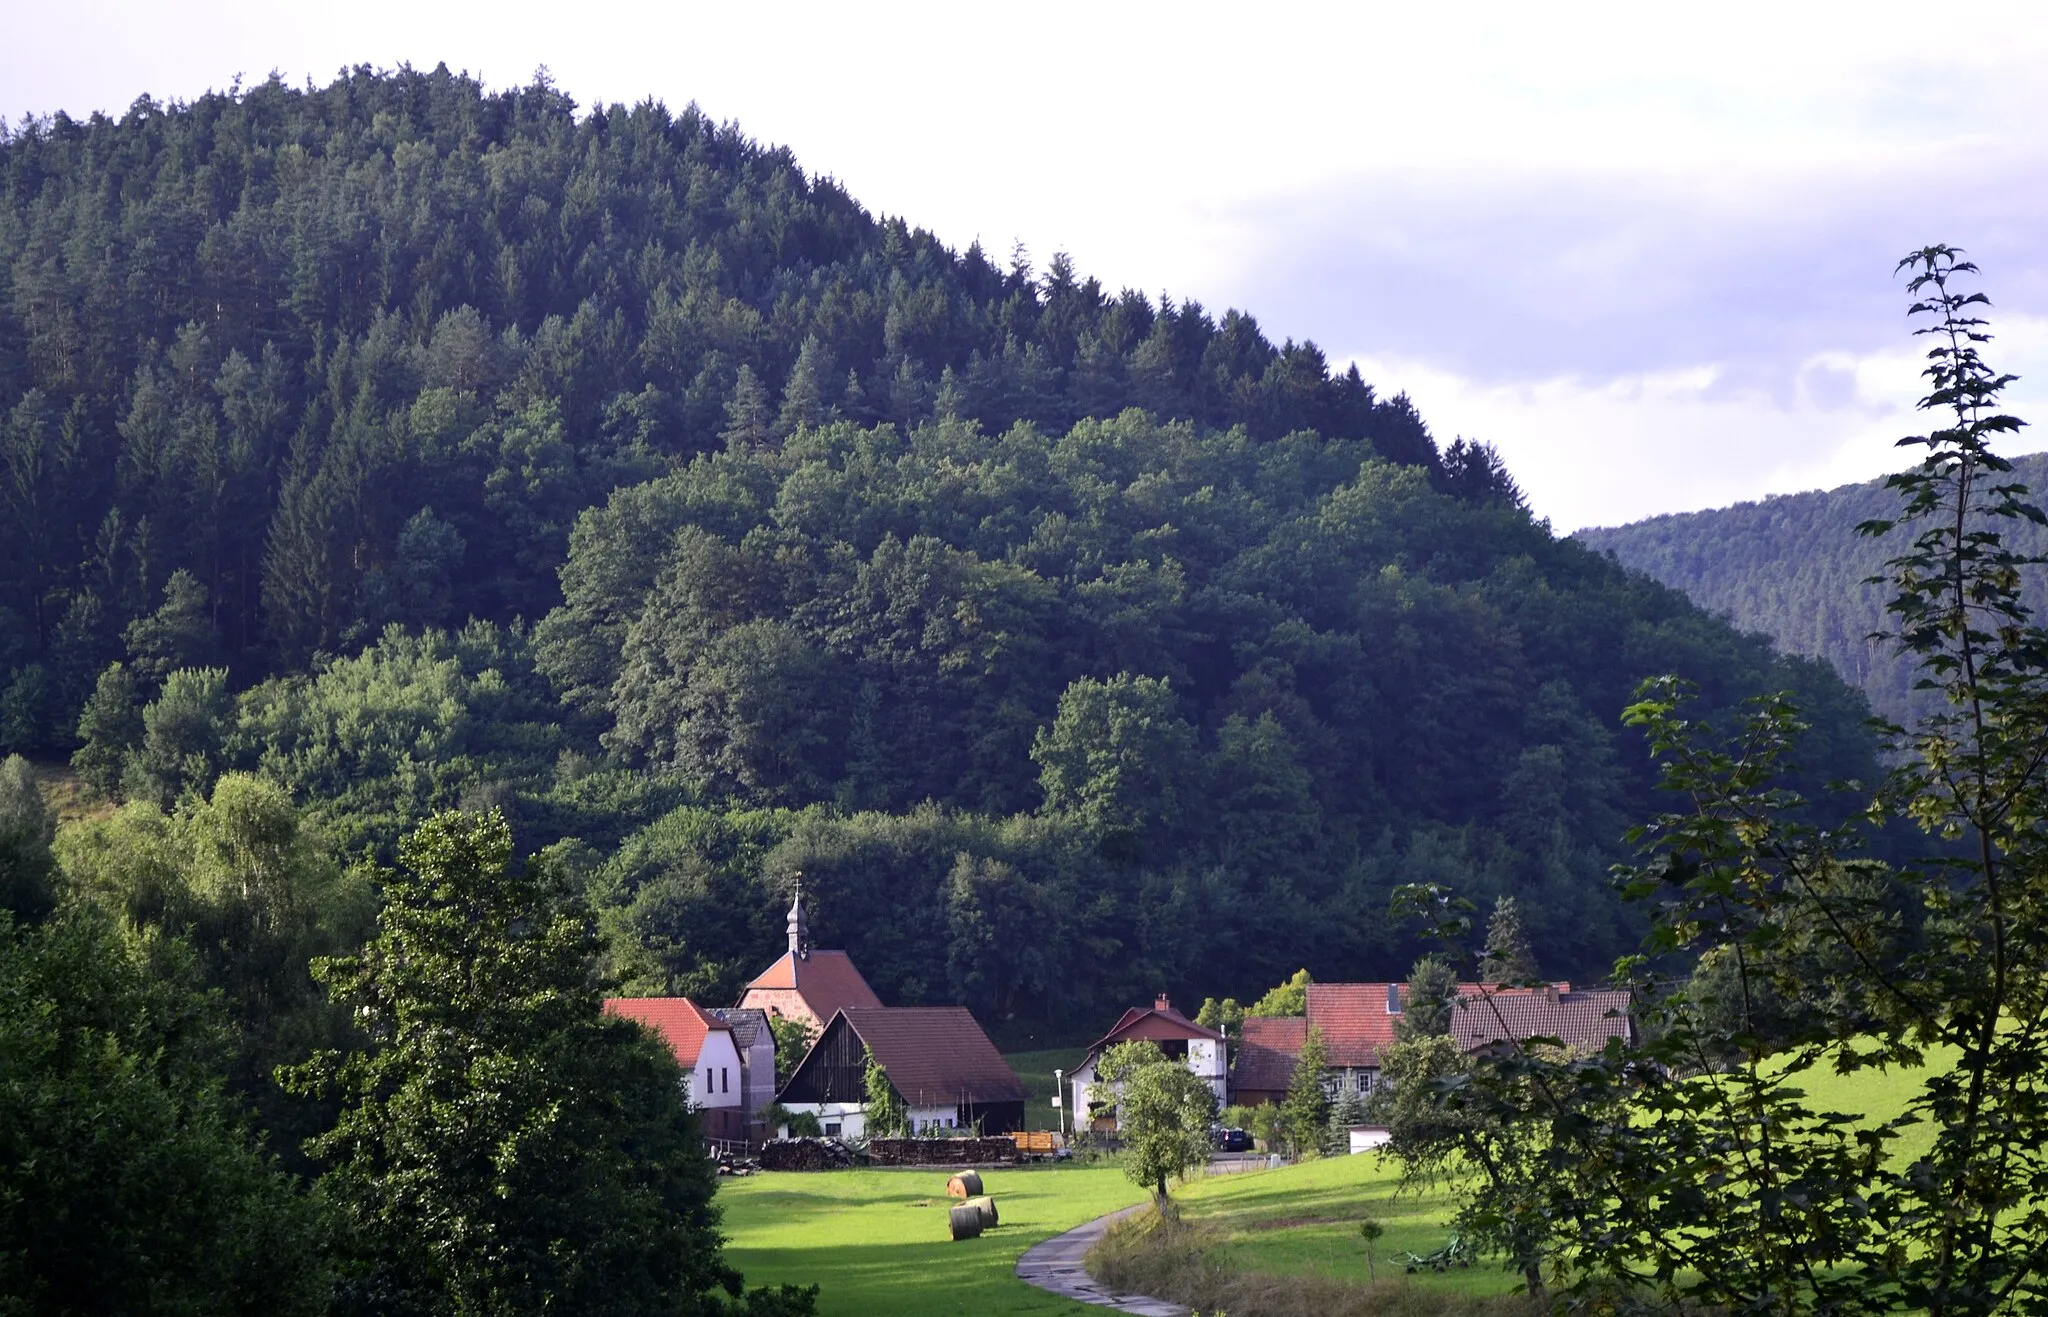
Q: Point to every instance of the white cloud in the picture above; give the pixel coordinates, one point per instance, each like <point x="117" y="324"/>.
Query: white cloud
<point x="1608" y="452"/>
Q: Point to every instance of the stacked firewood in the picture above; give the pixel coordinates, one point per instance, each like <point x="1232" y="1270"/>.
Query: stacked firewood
<point x="941" y="1152"/>
<point x="804" y="1155"/>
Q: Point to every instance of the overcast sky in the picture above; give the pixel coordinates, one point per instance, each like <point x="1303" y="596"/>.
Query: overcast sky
<point x="1645" y="250"/>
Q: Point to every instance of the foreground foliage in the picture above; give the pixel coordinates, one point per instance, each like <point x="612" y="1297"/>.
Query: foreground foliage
<point x="503" y="1146"/>
<point x="1698" y="1172"/>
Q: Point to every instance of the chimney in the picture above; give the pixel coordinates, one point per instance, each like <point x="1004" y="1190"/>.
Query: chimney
<point x="1393" y="999"/>
<point x="1161" y="1003"/>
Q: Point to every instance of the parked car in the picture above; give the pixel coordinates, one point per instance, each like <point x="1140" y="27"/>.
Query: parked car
<point x="1230" y="1140"/>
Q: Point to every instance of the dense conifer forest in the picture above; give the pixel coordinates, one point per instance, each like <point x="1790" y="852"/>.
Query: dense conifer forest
<point x="414" y="447"/>
<point x="1793" y="568"/>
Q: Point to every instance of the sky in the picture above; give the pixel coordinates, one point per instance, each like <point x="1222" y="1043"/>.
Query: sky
<point x="1646" y="251"/>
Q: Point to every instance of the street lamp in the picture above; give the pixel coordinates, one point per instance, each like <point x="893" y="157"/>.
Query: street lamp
<point x="1059" y="1104"/>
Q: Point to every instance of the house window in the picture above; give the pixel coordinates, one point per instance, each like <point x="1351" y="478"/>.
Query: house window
<point x="1365" y="1081"/>
<point x="832" y="1129"/>
<point x="724" y="1080"/>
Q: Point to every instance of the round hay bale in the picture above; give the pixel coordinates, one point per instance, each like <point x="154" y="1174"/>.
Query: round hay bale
<point x="964" y="1221"/>
<point x="987" y="1207"/>
<point x="967" y="1184"/>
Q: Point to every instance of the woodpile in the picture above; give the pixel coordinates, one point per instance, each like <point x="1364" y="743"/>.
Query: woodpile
<point x="805" y="1155"/>
<point x="942" y="1152"/>
<point x="964" y="1185"/>
<point x="964" y="1221"/>
<point x="731" y="1165"/>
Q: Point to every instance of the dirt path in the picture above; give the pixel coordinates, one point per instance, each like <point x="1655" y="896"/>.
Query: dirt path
<point x="1056" y="1265"/>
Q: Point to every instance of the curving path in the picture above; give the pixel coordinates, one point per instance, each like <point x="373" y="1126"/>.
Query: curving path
<point x="1055" y="1265"/>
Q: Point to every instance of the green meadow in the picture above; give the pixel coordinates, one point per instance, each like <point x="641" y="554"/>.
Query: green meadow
<point x="876" y="1241"/>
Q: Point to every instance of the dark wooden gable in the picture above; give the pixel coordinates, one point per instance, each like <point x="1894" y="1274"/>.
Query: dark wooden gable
<point x="834" y="1070"/>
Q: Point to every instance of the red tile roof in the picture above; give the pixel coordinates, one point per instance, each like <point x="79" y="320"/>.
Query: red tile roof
<point x="1354" y="1021"/>
<point x="1356" y="1025"/>
<point x="1265" y="1055"/>
<point x="827" y="980"/>
<point x="935" y="1055"/>
<point x="679" y="1021"/>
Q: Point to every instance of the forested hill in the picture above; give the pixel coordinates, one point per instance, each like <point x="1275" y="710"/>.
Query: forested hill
<point x="1794" y="569"/>
<point x="413" y="447"/>
<point x="360" y="355"/>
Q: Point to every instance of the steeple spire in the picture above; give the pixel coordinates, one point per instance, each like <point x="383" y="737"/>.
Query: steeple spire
<point x="799" y="927"/>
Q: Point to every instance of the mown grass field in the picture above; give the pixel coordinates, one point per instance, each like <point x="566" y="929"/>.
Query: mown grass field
<point x="875" y="1241"/>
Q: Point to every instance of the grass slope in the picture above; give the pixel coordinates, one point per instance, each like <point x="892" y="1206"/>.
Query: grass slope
<point x="1303" y="1221"/>
<point x="876" y="1240"/>
<point x="1035" y="1069"/>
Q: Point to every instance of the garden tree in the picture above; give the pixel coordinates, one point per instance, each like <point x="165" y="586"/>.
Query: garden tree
<point x="1225" y="1017"/>
<point x="1163" y="1115"/>
<point x="885" y="1116"/>
<point x="1346" y="1111"/>
<point x="1286" y="998"/>
<point x="27" y="871"/>
<point x="131" y="1181"/>
<point x="109" y="729"/>
<point x="1431" y="997"/>
<point x="1477" y="1142"/>
<point x="503" y="1145"/>
<point x="1730" y="1190"/>
<point x="1305" y="1111"/>
<point x="1507" y="958"/>
<point x="793" y="1038"/>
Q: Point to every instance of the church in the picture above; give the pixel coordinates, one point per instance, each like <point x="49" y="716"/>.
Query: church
<point x="807" y="985"/>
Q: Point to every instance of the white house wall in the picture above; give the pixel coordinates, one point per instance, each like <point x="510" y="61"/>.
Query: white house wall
<point x="716" y="1079"/>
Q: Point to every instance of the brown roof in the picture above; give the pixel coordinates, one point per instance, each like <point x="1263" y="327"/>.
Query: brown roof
<point x="1157" y="1023"/>
<point x="827" y="980"/>
<point x="1587" y="1018"/>
<point x="1265" y="1055"/>
<point x="935" y="1055"/>
<point x="679" y="1021"/>
<point x="1357" y="1025"/>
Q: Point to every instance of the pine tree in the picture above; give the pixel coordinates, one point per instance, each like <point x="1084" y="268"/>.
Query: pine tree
<point x="1431" y="997"/>
<point x="746" y="414"/>
<point x="1305" y="1111"/>
<point x="805" y="405"/>
<point x="1508" y="957"/>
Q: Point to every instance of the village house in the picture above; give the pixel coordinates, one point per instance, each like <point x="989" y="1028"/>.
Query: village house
<point x="1204" y="1051"/>
<point x="938" y="1060"/>
<point x="755" y="1042"/>
<point x="703" y="1046"/>
<point x="807" y="985"/>
<point x="1357" y="1023"/>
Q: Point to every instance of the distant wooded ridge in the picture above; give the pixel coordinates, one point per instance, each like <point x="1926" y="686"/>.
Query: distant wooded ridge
<point x="1792" y="567"/>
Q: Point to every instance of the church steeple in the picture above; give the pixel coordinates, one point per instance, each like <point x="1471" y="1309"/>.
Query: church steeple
<point x="799" y="927"/>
